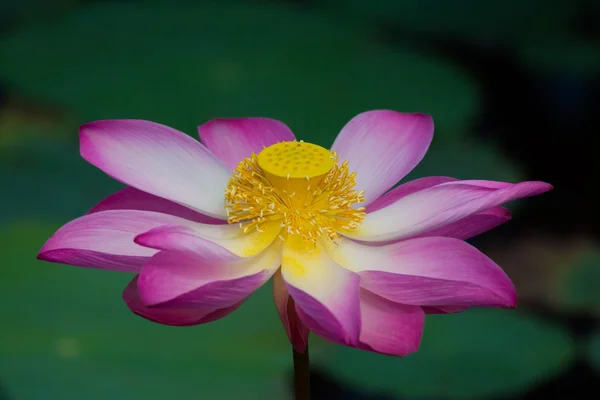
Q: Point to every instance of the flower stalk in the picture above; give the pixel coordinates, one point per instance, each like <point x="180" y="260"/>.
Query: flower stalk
<point x="301" y="375"/>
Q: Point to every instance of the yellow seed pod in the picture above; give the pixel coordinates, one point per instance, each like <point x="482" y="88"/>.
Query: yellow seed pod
<point x="295" y="160"/>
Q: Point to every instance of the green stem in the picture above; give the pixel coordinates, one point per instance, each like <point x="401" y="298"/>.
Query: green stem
<point x="301" y="375"/>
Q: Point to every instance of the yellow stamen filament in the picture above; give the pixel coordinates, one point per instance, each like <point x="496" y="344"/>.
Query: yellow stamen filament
<point x="300" y="185"/>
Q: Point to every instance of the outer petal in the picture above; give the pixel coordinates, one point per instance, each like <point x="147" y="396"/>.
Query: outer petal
<point x="438" y="206"/>
<point x="105" y="240"/>
<point x="184" y="279"/>
<point x="232" y="140"/>
<point x="131" y="198"/>
<point x="428" y="272"/>
<point x="472" y="225"/>
<point x="464" y="228"/>
<point x="201" y="239"/>
<point x="444" y="309"/>
<point x="388" y="327"/>
<point x="382" y="147"/>
<point x="158" y="160"/>
<point x="297" y="332"/>
<point x="177" y="238"/>
<point x="405" y="189"/>
<point x="326" y="293"/>
<point x="173" y="315"/>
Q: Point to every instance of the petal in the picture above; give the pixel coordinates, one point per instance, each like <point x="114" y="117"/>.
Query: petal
<point x="382" y="147"/>
<point x="184" y="279"/>
<point x="173" y="315"/>
<point x="464" y="228"/>
<point x="232" y="140"/>
<point x="431" y="271"/>
<point x="201" y="238"/>
<point x="297" y="332"/>
<point x="438" y="206"/>
<point x="131" y="198"/>
<point x="405" y="189"/>
<point x="177" y="238"/>
<point x="326" y="293"/>
<point x="472" y="225"/>
<point x="388" y="327"/>
<point x="105" y="240"/>
<point x="444" y="309"/>
<point x="159" y="160"/>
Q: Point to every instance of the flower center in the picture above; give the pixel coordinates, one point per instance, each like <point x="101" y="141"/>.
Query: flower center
<point x="298" y="184"/>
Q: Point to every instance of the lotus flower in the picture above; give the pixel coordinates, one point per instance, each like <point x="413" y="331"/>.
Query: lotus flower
<point x="353" y="259"/>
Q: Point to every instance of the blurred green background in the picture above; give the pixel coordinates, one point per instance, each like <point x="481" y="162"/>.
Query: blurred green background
<point x="513" y="87"/>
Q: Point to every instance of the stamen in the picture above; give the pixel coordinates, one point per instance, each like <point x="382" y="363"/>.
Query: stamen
<point x="276" y="185"/>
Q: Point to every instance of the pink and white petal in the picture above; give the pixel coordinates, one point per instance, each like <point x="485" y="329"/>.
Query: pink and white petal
<point x="322" y="290"/>
<point x="177" y="238"/>
<point x="486" y="184"/>
<point x="472" y="225"/>
<point x="296" y="331"/>
<point x="382" y="146"/>
<point x="438" y="206"/>
<point x="405" y="189"/>
<point x="388" y="327"/>
<point x="199" y="239"/>
<point x="183" y="279"/>
<point x="232" y="140"/>
<point x="105" y="240"/>
<point x="173" y="314"/>
<point x="432" y="271"/>
<point x="131" y="198"/>
<point x="464" y="228"/>
<point x="158" y="160"/>
<point x="318" y="329"/>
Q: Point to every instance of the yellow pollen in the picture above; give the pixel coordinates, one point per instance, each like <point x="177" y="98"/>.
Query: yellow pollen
<point x="300" y="185"/>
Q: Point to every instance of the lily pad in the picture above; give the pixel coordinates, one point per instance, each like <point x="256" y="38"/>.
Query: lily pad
<point x="47" y="179"/>
<point x="22" y="11"/>
<point x="475" y="20"/>
<point x="68" y="335"/>
<point x="476" y="354"/>
<point x="184" y="64"/>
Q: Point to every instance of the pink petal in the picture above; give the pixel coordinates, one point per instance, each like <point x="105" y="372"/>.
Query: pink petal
<point x="297" y="332"/>
<point x="228" y="240"/>
<point x="105" y="240"/>
<point x="177" y="238"/>
<point x="173" y="315"/>
<point x="159" y="160"/>
<point x="464" y="228"/>
<point x="439" y="206"/>
<point x="405" y="189"/>
<point x="472" y="225"/>
<point x="183" y="279"/>
<point x="232" y="140"/>
<point x="383" y="146"/>
<point x="327" y="296"/>
<point x="131" y="198"/>
<point x="431" y="271"/>
<point x="388" y="327"/>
